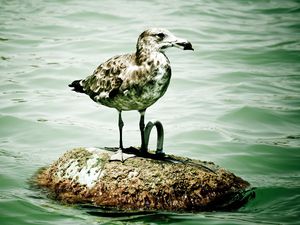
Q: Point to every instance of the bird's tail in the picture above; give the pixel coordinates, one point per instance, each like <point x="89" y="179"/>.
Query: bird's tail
<point x="76" y="85"/>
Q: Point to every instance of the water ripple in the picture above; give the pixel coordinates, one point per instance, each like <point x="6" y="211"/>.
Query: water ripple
<point x="234" y="100"/>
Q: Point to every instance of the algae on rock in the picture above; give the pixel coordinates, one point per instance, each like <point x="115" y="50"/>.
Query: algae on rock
<point x="85" y="175"/>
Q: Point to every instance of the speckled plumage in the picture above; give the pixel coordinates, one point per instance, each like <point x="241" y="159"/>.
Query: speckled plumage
<point x="123" y="84"/>
<point x="131" y="81"/>
<point x="134" y="81"/>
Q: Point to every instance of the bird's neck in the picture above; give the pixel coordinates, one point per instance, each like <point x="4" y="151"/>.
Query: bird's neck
<point x="145" y="55"/>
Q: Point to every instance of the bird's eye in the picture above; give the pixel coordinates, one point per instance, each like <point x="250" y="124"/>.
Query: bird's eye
<point x="161" y="35"/>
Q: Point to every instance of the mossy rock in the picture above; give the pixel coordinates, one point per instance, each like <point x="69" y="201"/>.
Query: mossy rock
<point x="171" y="183"/>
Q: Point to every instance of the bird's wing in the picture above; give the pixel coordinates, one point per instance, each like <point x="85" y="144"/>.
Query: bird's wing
<point x="107" y="78"/>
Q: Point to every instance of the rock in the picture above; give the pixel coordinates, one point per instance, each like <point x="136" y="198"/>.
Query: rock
<point x="85" y="175"/>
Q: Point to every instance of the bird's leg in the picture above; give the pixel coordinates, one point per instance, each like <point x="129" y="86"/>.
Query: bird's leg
<point x="121" y="125"/>
<point x="120" y="156"/>
<point x="142" y="129"/>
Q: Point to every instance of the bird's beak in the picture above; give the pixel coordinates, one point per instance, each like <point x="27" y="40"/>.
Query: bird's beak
<point x="183" y="44"/>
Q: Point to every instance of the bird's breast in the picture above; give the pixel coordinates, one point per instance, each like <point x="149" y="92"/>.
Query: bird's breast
<point x="142" y="85"/>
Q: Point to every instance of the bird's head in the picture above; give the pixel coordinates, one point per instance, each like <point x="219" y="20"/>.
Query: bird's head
<point x="159" y="39"/>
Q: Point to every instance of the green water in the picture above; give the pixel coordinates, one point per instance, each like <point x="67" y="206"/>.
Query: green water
<point x="235" y="100"/>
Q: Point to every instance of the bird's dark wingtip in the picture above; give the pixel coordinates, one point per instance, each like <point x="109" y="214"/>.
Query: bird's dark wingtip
<point x="76" y="85"/>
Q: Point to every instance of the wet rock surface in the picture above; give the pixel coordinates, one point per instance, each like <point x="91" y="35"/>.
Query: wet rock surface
<point x="86" y="176"/>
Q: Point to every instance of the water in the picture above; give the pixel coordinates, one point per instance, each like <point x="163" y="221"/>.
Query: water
<point x="234" y="100"/>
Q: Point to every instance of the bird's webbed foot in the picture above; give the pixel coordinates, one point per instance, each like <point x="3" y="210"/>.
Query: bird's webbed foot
<point x="121" y="156"/>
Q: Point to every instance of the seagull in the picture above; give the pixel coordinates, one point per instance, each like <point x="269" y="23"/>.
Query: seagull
<point x="133" y="81"/>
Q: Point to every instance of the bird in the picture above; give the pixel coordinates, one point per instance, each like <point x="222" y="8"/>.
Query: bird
<point x="133" y="81"/>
